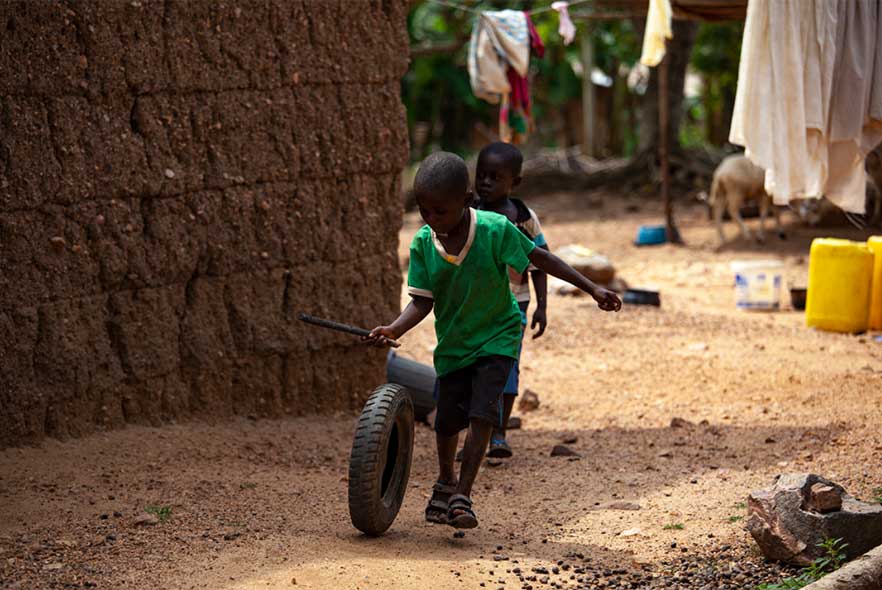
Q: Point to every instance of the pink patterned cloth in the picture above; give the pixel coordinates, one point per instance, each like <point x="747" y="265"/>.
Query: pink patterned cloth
<point x="566" y="29"/>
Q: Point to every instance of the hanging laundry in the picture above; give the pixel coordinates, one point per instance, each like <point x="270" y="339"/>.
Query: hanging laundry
<point x="658" y="28"/>
<point x="566" y="28"/>
<point x="498" y="61"/>
<point x="809" y="102"/>
<point x="499" y="39"/>
<point x="519" y="116"/>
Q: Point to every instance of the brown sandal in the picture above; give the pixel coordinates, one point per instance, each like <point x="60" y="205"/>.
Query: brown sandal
<point x="466" y="518"/>
<point x="436" y="511"/>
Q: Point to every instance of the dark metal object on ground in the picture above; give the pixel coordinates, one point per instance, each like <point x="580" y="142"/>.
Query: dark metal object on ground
<point x="642" y="297"/>
<point x="419" y="379"/>
<point x="332" y="325"/>
<point x="797" y="298"/>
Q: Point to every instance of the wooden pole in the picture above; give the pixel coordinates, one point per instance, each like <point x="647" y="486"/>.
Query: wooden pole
<point x="588" y="127"/>
<point x="664" y="150"/>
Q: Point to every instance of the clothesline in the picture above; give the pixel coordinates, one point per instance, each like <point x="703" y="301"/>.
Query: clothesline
<point x="477" y="11"/>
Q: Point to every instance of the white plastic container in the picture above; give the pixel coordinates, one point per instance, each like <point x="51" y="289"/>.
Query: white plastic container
<point x="757" y="284"/>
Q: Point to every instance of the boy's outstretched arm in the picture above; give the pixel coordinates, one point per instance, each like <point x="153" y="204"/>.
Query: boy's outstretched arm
<point x="540" y="286"/>
<point x="414" y="313"/>
<point x="545" y="260"/>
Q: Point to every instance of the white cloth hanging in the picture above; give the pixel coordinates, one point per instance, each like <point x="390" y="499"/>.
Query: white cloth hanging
<point x="566" y="28"/>
<point x="809" y="102"/>
<point x="658" y="28"/>
<point x="499" y="39"/>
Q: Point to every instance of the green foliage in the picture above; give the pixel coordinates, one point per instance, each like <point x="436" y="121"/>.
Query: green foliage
<point x="736" y="518"/>
<point x="877" y="495"/>
<point x="674" y="527"/>
<point x="247" y="485"/>
<point x="834" y="556"/>
<point x="741" y="505"/>
<point x="163" y="513"/>
<point x="715" y="57"/>
<point x="717" y="49"/>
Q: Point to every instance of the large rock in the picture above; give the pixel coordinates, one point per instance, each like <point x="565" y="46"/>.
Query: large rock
<point x="590" y="264"/>
<point x="788" y="524"/>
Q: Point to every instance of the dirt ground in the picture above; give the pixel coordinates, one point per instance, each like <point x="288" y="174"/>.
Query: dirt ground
<point x="262" y="504"/>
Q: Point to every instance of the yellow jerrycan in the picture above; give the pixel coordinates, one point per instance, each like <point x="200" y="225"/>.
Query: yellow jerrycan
<point x="875" y="244"/>
<point x="840" y="275"/>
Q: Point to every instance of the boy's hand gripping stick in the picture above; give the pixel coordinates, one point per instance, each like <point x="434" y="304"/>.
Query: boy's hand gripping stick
<point x="341" y="327"/>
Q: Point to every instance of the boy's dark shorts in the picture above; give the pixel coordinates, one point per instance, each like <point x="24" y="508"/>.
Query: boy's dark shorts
<point x="472" y="392"/>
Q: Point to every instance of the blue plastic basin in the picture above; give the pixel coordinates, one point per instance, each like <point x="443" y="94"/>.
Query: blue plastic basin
<point x="650" y="235"/>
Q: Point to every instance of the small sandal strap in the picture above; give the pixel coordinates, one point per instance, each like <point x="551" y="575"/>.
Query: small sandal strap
<point x="459" y="502"/>
<point x="443" y="488"/>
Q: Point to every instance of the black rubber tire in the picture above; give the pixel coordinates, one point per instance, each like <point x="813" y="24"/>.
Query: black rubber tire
<point x="419" y="379"/>
<point x="379" y="465"/>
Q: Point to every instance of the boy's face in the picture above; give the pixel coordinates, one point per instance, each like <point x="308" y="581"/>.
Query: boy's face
<point x="494" y="179"/>
<point x="443" y="212"/>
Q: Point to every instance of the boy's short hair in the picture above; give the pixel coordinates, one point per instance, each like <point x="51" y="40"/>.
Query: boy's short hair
<point x="442" y="173"/>
<point x="508" y="153"/>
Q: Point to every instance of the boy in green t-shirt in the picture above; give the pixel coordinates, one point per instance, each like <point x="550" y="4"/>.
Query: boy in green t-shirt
<point x="459" y="266"/>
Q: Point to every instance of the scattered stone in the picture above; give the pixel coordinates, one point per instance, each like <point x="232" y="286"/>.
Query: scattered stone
<point x="494" y="462"/>
<point x="770" y="440"/>
<point x="630" y="532"/>
<point x="515" y="423"/>
<point x="528" y="401"/>
<point x="500" y="558"/>
<point x="232" y="535"/>
<point x="569" y="439"/>
<point x="169" y="173"/>
<point x="618" y="505"/>
<point x="786" y="529"/>
<point x="57" y="242"/>
<point x="697" y="347"/>
<point x="824" y="499"/>
<point x="53" y="566"/>
<point x="146" y="519"/>
<point x="667" y="453"/>
<point x="459" y="534"/>
<point x="680" y="423"/>
<point x="563" y="451"/>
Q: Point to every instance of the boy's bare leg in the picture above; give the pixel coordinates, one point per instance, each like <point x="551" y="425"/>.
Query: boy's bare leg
<point x="446" y="454"/>
<point x="476" y="442"/>
<point x="507" y="406"/>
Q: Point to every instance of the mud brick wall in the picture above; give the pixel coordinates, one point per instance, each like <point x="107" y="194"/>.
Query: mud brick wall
<point x="177" y="180"/>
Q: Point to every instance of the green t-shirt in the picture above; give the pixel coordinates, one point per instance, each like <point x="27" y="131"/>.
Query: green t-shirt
<point x="475" y="312"/>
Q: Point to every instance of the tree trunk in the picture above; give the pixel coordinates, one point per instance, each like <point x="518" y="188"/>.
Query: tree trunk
<point x="679" y="52"/>
<point x="864" y="573"/>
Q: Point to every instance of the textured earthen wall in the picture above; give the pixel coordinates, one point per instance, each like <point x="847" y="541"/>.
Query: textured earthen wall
<point x="177" y="180"/>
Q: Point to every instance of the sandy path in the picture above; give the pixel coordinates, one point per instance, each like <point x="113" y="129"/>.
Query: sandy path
<point x="262" y="504"/>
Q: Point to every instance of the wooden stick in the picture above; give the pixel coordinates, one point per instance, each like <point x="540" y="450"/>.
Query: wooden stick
<point x="332" y="325"/>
